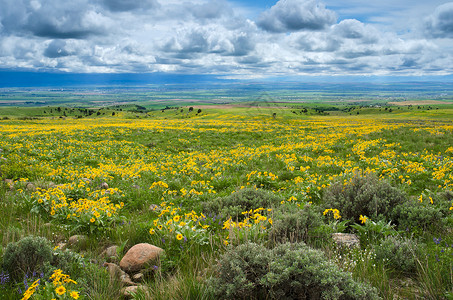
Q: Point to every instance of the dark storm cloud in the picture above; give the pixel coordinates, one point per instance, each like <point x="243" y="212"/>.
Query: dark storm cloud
<point x="129" y="5"/>
<point x="52" y="18"/>
<point x="295" y="15"/>
<point x="440" y="23"/>
<point x="56" y="49"/>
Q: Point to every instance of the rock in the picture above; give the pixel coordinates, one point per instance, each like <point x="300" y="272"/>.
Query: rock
<point x="138" y="277"/>
<point x="156" y="208"/>
<point x="116" y="274"/>
<point x="61" y="246"/>
<point x="10" y="183"/>
<point x="139" y="256"/>
<point x="346" y="239"/>
<point x="30" y="187"/>
<point x="111" y="253"/>
<point x="79" y="241"/>
<point x="104" y="185"/>
<point x="128" y="291"/>
<point x="86" y="180"/>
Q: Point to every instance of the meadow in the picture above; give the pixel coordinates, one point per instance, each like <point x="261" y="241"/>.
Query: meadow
<point x="201" y="184"/>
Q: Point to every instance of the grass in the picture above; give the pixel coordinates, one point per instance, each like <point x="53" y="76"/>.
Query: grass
<point x="180" y="161"/>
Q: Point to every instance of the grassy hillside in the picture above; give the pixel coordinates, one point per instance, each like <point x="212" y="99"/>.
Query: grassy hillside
<point x="199" y="184"/>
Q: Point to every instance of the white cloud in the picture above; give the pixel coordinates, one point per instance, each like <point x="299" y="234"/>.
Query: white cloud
<point x="440" y="23"/>
<point x="295" y="15"/>
<point x="201" y="36"/>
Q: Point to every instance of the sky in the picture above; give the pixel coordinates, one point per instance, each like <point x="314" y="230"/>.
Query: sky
<point x="234" y="39"/>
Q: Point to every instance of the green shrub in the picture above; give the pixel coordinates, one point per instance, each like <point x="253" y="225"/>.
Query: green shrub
<point x="415" y="215"/>
<point x="293" y="224"/>
<point x="289" y="271"/>
<point x="26" y="256"/>
<point x="363" y="195"/>
<point x="240" y="201"/>
<point x="398" y="253"/>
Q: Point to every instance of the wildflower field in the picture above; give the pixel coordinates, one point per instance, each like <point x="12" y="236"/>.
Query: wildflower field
<point x="203" y="186"/>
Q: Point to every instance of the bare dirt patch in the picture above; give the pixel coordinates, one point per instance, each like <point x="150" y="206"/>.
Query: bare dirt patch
<point x="419" y="102"/>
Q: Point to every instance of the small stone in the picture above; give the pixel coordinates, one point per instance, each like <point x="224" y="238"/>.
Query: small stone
<point x="116" y="274"/>
<point x="346" y="239"/>
<point x="128" y="291"/>
<point x="86" y="180"/>
<point x="111" y="254"/>
<point x="30" y="187"/>
<point x="79" y="241"/>
<point x="156" y="208"/>
<point x="111" y="251"/>
<point x="10" y="183"/>
<point x="138" y="277"/>
<point x="139" y="256"/>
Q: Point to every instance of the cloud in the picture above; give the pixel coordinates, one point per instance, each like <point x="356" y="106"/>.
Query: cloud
<point x="295" y="15"/>
<point x="210" y="10"/>
<point x="213" y="37"/>
<point x="129" y="5"/>
<point x="440" y="23"/>
<point x="56" y="49"/>
<point x="354" y="29"/>
<point x="53" y="18"/>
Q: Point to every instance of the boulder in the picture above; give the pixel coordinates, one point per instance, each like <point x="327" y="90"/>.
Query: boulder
<point x="346" y="239"/>
<point x="139" y="256"/>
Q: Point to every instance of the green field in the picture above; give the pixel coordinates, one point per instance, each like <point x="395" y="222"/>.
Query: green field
<point x="241" y="196"/>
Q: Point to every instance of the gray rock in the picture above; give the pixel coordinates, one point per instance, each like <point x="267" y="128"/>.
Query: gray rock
<point x="118" y="275"/>
<point x="128" y="291"/>
<point x="138" y="277"/>
<point x="30" y="187"/>
<point x="346" y="240"/>
<point x="111" y="254"/>
<point x="79" y="241"/>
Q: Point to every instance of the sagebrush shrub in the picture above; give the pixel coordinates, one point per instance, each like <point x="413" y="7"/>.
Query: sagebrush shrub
<point x="398" y="253"/>
<point x="363" y="195"/>
<point x="294" y="224"/>
<point x="415" y="215"/>
<point x="288" y="271"/>
<point x="26" y="256"/>
<point x="240" y="201"/>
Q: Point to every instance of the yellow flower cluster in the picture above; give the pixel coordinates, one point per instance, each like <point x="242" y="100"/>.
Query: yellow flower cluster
<point x="59" y="280"/>
<point x="173" y="220"/>
<point x="335" y="212"/>
<point x="59" y="205"/>
<point x="31" y="290"/>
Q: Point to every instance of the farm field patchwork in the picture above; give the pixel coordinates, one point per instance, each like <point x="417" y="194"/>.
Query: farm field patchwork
<point x="199" y="187"/>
